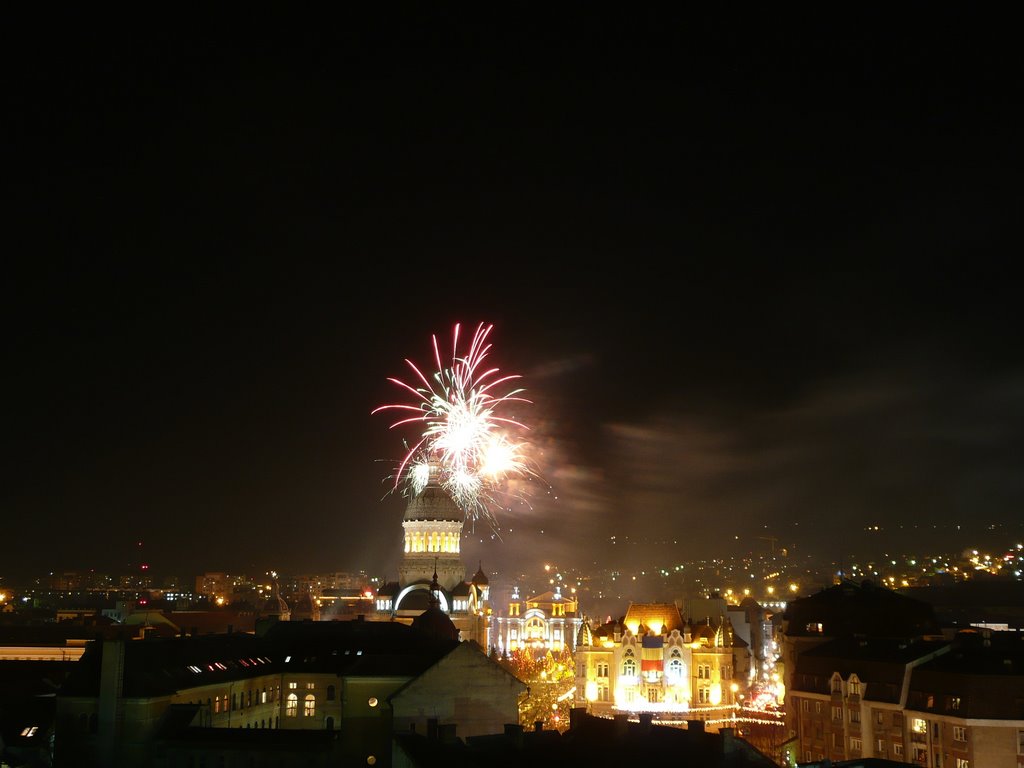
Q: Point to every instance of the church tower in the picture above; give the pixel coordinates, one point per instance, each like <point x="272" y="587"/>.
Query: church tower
<point x="432" y="529"/>
<point x="431" y="573"/>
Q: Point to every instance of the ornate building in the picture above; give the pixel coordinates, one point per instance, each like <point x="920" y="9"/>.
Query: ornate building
<point x="549" y="620"/>
<point x="432" y="536"/>
<point x="654" y="661"/>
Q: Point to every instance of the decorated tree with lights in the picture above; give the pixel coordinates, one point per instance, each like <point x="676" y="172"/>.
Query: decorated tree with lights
<point x="551" y="678"/>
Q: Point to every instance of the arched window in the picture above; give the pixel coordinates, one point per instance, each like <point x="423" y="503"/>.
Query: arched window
<point x="291" y="707"/>
<point x="330" y="693"/>
<point x="309" y="705"/>
<point x="675" y="670"/>
<point x="629" y="667"/>
<point x="534" y="628"/>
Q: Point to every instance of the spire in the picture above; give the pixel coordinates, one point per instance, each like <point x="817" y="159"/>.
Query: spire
<point x="434" y="587"/>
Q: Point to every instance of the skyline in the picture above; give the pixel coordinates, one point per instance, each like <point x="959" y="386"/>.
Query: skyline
<point x="758" y="280"/>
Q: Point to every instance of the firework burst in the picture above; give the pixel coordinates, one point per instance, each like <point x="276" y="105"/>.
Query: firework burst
<point x="463" y="432"/>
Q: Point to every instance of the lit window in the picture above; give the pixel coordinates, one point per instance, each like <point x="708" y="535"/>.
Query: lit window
<point x="309" y="706"/>
<point x="963" y="762"/>
<point x="372" y="701"/>
<point x="292" y="706"/>
<point x="30" y="731"/>
<point x="919" y="726"/>
<point x="959" y="733"/>
<point x="293" y="686"/>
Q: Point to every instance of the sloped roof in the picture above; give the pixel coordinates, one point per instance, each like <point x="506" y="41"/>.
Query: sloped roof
<point x="984" y="670"/>
<point x="868" y="609"/>
<point x="879" y="664"/>
<point x="667" y="614"/>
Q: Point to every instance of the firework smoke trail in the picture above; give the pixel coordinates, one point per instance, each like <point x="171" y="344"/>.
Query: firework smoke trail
<point x="463" y="431"/>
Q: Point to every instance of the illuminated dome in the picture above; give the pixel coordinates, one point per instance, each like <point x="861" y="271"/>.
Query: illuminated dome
<point x="276" y="606"/>
<point x="433" y="503"/>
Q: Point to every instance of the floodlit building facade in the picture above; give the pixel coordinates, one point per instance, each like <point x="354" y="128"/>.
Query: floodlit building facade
<point x="547" y="621"/>
<point x="653" y="661"/>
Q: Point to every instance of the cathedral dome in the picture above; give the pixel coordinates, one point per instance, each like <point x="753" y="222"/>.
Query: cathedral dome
<point x="436" y="623"/>
<point x="433" y="503"/>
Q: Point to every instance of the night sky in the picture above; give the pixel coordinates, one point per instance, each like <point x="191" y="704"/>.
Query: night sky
<point x="757" y="275"/>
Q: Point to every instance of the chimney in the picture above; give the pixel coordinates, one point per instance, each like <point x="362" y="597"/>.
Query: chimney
<point x="697" y="726"/>
<point x="576" y="717"/>
<point x="646" y="718"/>
<point x="446" y="733"/>
<point x="538" y="725"/>
<point x="432" y="728"/>
<point x="621" y="723"/>
<point x="514" y="731"/>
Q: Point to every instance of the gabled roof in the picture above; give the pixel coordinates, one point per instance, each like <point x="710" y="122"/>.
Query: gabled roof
<point x="646" y="614"/>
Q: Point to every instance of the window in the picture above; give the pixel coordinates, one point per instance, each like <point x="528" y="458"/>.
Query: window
<point x="234" y="701"/>
<point x="837" y="740"/>
<point x="602" y="669"/>
<point x="963" y="762"/>
<point x="854" y="686"/>
<point x="330" y="693"/>
<point x="960" y="733"/>
<point x="897" y="750"/>
<point x="837" y="713"/>
<point x="309" y="706"/>
<point x="954" y="703"/>
<point x="291" y="705"/>
<point x="918" y="725"/>
<point x="805" y="705"/>
<point x="880" y="747"/>
<point x="879" y="718"/>
<point x="293" y="686"/>
<point x="263" y="696"/>
<point x="1020" y="742"/>
<point x="855" y="744"/>
<point x="675" y="669"/>
<point x="310" y="686"/>
<point x="854" y="715"/>
<point x="216" y="704"/>
<point x="930" y="702"/>
<point x="704" y="695"/>
<point x="652" y="695"/>
<point x="837" y="684"/>
<point x="629" y="667"/>
<point x="535" y="628"/>
<point x="817" y="707"/>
